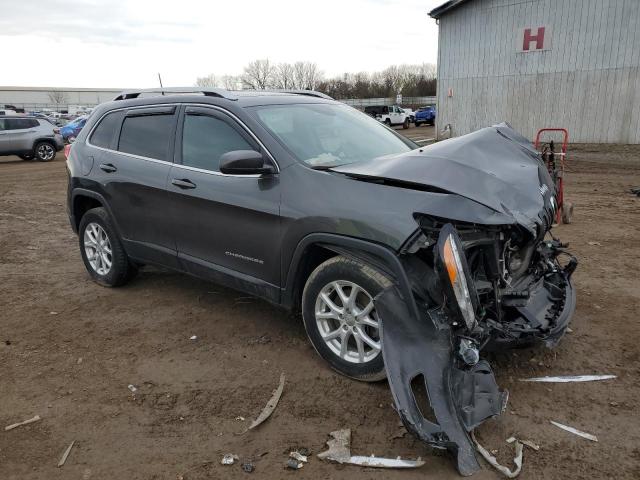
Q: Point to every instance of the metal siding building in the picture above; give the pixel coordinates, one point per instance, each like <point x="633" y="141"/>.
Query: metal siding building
<point x="585" y="77"/>
<point x="39" y="97"/>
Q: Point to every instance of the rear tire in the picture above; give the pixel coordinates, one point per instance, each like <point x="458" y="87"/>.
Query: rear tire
<point x="361" y="357"/>
<point x="44" y="151"/>
<point x="102" y="251"/>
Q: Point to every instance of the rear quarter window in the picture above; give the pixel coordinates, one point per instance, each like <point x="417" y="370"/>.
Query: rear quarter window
<point x="147" y="136"/>
<point x="103" y="135"/>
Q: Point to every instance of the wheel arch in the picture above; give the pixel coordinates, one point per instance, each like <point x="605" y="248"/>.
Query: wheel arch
<point x="316" y="248"/>
<point x="83" y="200"/>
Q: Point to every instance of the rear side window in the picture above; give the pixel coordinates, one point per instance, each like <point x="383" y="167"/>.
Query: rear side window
<point x="205" y="139"/>
<point x="147" y="136"/>
<point x="103" y="134"/>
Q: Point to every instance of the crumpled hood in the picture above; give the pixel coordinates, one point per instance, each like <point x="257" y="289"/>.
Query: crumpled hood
<point x="495" y="166"/>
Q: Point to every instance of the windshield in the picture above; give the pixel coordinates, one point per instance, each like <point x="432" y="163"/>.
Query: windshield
<point x="328" y="135"/>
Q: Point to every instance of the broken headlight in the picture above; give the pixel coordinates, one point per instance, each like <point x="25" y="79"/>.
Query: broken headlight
<point x="454" y="269"/>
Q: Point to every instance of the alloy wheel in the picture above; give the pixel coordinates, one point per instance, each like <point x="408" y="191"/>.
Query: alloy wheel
<point x="347" y="321"/>
<point x="97" y="248"/>
<point x="46" y="152"/>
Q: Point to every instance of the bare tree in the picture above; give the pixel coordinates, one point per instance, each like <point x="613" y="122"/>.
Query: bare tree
<point x="258" y="75"/>
<point x="283" y="76"/>
<point x="57" y="97"/>
<point x="231" y="82"/>
<point x="306" y="75"/>
<point x="209" y="81"/>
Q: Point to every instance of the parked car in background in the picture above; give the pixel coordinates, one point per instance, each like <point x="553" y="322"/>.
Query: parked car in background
<point x="389" y="115"/>
<point x="29" y="138"/>
<point x="5" y="112"/>
<point x="410" y="113"/>
<point x="425" y="115"/>
<point x="71" y="130"/>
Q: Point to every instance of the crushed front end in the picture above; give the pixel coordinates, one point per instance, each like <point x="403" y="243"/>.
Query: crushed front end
<point x="473" y="287"/>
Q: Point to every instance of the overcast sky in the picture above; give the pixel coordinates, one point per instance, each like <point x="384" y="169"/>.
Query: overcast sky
<point x="113" y="43"/>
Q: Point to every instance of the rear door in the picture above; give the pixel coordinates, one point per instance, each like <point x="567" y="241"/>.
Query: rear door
<point x="132" y="171"/>
<point x="227" y="227"/>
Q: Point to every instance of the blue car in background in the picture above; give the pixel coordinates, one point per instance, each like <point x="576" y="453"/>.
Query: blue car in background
<point x="425" y="115"/>
<point x="71" y="130"/>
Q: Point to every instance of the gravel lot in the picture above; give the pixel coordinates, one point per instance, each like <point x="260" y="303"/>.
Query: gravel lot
<point x="69" y="348"/>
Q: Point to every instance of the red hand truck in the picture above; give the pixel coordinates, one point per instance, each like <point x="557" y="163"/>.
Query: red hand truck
<point x="555" y="162"/>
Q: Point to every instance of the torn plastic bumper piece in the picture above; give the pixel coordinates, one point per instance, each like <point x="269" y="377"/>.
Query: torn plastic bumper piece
<point x="460" y="397"/>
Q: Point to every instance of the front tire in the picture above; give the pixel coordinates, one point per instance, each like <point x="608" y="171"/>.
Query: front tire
<point x="102" y="251"/>
<point x="44" y="152"/>
<point x="340" y="317"/>
<point x="405" y="124"/>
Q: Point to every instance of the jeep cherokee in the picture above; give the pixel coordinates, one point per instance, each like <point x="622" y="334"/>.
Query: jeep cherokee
<point x="440" y="251"/>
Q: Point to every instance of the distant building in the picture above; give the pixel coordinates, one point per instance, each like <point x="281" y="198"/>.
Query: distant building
<point x="37" y="98"/>
<point x="541" y="63"/>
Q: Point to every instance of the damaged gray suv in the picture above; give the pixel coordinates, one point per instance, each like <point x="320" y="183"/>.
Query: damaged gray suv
<point x="405" y="261"/>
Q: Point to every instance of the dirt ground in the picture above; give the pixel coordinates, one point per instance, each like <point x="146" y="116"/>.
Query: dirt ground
<point x="69" y="349"/>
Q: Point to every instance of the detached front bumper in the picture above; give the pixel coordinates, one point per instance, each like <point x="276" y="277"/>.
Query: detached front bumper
<point x="441" y="388"/>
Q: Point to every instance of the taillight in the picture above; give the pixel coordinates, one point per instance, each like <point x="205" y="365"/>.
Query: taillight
<point x="67" y="150"/>
<point x="56" y="131"/>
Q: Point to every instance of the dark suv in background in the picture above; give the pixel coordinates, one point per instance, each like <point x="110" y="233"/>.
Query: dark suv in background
<point x="312" y="205"/>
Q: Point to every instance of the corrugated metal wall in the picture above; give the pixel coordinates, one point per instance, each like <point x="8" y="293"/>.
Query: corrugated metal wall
<point x="588" y="81"/>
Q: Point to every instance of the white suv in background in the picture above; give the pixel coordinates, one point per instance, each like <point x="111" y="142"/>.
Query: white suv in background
<point x="29" y="138"/>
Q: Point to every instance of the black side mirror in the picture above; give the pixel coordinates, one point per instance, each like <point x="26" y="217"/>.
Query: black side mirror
<point x="244" y="162"/>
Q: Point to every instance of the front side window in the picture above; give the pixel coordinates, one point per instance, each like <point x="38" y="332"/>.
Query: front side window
<point x="147" y="136"/>
<point x="328" y="135"/>
<point x="206" y="138"/>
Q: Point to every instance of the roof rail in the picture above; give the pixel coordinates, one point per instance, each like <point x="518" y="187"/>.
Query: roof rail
<point x="309" y="93"/>
<point x="208" y="92"/>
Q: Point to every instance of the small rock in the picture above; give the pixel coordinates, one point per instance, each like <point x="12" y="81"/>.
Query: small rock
<point x="229" y="459"/>
<point x="193" y="337"/>
<point x="53" y="313"/>
<point x="132" y="388"/>
<point x="248" y="467"/>
<point x="79" y="361"/>
<point x="613" y="404"/>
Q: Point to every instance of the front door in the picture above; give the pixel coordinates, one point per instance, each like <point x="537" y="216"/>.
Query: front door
<point x="227" y="227"/>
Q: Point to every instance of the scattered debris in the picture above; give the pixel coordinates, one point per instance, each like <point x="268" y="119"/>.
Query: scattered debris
<point x="53" y="313"/>
<point x="294" y="464"/>
<point x="635" y="191"/>
<point x="132" y="388"/>
<point x="299" y="457"/>
<point x="527" y="443"/>
<point x="66" y="454"/>
<point x="517" y="460"/>
<point x="7" y="342"/>
<point x="79" y="361"/>
<point x="575" y="431"/>
<point x="248" y="467"/>
<point x="270" y="407"/>
<point x="569" y="378"/>
<point x="19" y="424"/>
<point x="193" y="337"/>
<point x="240" y="418"/>
<point x="229" y="459"/>
<point x="595" y="244"/>
<point x="340" y="451"/>
<point x="261" y="340"/>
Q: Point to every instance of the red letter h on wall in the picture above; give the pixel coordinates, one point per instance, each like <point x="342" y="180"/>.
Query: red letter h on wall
<point x="538" y="38"/>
